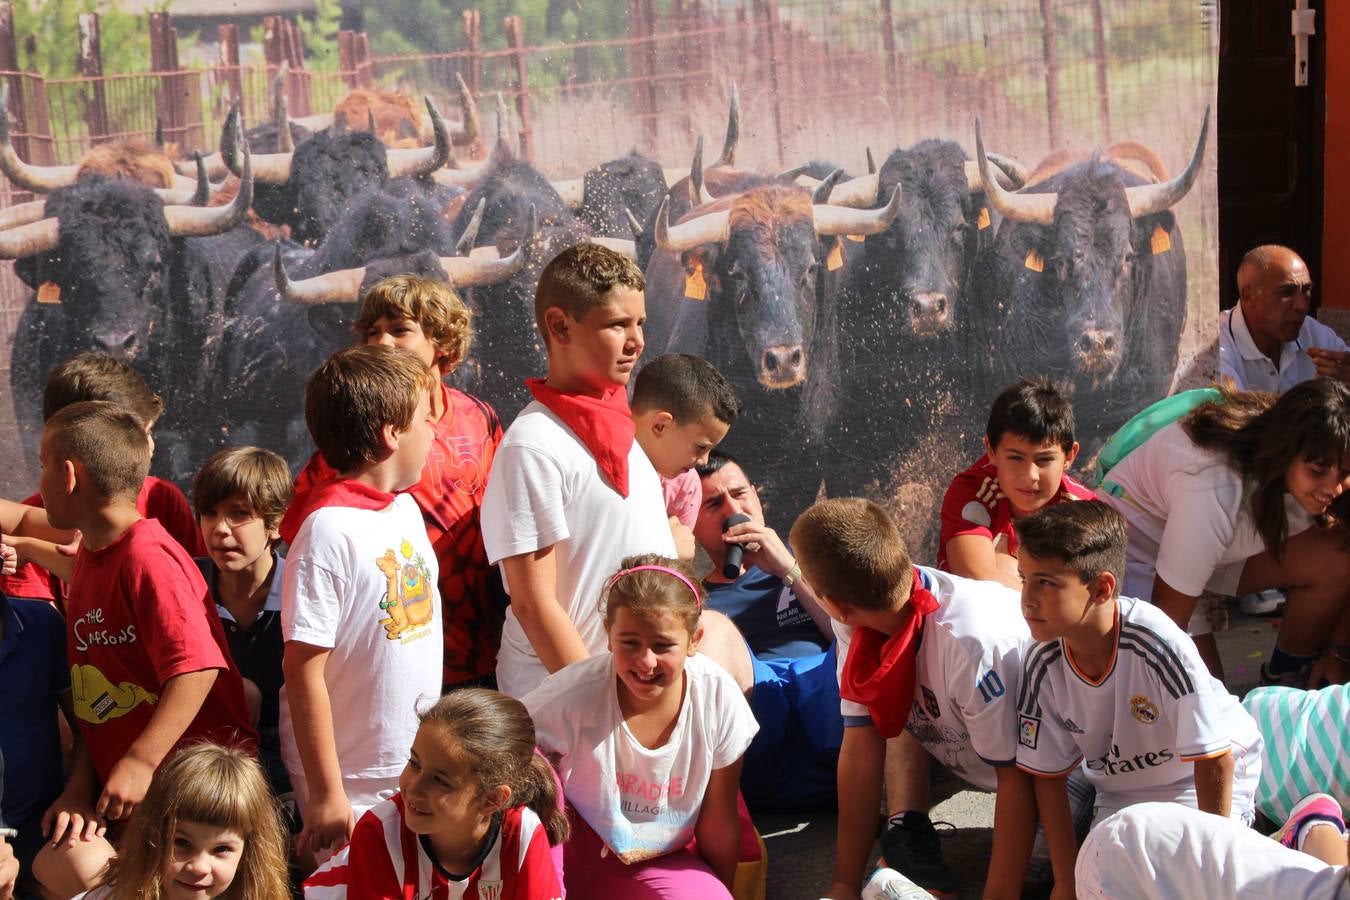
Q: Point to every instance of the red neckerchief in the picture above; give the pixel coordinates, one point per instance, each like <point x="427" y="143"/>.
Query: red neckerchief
<point x="605" y="426"/>
<point x="879" y="671"/>
<point x="336" y="491"/>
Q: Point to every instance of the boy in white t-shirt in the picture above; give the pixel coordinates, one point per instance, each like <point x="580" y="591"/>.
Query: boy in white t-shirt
<point x="1113" y="685"/>
<point x="571" y="493"/>
<point x="923" y="650"/>
<point x="359" y="610"/>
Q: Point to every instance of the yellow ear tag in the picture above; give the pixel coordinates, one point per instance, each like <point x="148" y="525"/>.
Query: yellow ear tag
<point x="1161" y="241"/>
<point x="835" y="258"/>
<point x="1034" y="261"/>
<point x="49" y="292"/>
<point x="856" y="237"/>
<point x="695" y="288"/>
<point x="982" y="220"/>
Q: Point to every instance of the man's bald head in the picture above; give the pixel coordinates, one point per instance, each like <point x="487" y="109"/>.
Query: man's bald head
<point x="1275" y="290"/>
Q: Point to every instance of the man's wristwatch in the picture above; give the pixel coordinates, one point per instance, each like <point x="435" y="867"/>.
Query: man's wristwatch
<point x="793" y="574"/>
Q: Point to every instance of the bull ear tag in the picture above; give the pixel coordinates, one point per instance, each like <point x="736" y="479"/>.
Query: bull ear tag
<point x="835" y="258"/>
<point x="1161" y="241"/>
<point x="695" y="286"/>
<point x="982" y="221"/>
<point x="1034" y="261"/>
<point x="49" y="292"/>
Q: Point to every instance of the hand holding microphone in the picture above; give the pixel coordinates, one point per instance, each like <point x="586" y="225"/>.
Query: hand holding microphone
<point x="731" y="563"/>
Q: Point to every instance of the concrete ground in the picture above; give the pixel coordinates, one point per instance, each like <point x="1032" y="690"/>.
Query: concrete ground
<point x="801" y="847"/>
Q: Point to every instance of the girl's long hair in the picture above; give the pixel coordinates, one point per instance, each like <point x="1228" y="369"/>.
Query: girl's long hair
<point x="209" y="785"/>
<point x="1261" y="435"/>
<point x="495" y="734"/>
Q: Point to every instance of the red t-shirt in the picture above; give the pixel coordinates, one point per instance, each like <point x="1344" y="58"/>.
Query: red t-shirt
<point x="138" y="614"/>
<point x="450" y="496"/>
<point x="975" y="504"/>
<point x="158" y="499"/>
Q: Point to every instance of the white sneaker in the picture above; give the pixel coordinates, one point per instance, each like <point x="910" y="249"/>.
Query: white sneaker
<point x="1265" y="603"/>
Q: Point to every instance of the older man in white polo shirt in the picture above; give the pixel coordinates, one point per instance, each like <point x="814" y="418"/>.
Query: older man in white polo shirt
<point x="1268" y="342"/>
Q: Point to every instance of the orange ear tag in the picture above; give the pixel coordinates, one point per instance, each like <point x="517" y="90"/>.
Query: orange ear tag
<point x="1161" y="241"/>
<point x="1034" y="262"/>
<point x="695" y="287"/>
<point x="49" y="292"/>
<point x="856" y="237"/>
<point x="835" y="258"/>
<point x="982" y="220"/>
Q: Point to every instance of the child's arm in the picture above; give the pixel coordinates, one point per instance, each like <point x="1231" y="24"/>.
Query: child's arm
<point x="1052" y="803"/>
<point x="59" y="559"/>
<point x="533" y="578"/>
<point x="974" y="556"/>
<point x="73" y="811"/>
<point x="179" y="702"/>
<point x="861" y="759"/>
<point x="718" y="829"/>
<point x="1214" y="784"/>
<point x="684" y="540"/>
<point x="328" y="816"/>
<point x="30" y="521"/>
<point x="1014" y="833"/>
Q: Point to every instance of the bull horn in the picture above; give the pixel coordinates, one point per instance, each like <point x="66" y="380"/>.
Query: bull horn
<point x="370" y="122"/>
<point x="285" y="143"/>
<point x="793" y="173"/>
<point x="342" y="286"/>
<point x="871" y="163"/>
<point x="1033" y="209"/>
<point x="822" y="192"/>
<point x="423" y="160"/>
<point x="159" y="132"/>
<point x="196" y="221"/>
<point x="633" y="222"/>
<point x="698" y="192"/>
<point x="199" y="192"/>
<point x="38" y="179"/>
<point x="572" y="191"/>
<point x="471" y="177"/>
<point x="1016" y="172"/>
<point x="468" y="271"/>
<point x="728" y="157"/>
<point x="469" y="135"/>
<point x="31" y="239"/>
<point x="22" y="214"/>
<point x="470" y="235"/>
<point x="975" y="181"/>
<point x="709" y="228"/>
<point x="621" y="246"/>
<point x="215" y="166"/>
<point x="832" y="220"/>
<point x="859" y="193"/>
<point x="1148" y="199"/>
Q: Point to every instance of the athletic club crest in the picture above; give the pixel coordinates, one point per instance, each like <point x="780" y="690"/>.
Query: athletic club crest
<point x="1143" y="709"/>
<point x="489" y="890"/>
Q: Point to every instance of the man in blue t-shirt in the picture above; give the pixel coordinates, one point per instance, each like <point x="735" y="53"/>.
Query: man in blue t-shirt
<point x="795" y="698"/>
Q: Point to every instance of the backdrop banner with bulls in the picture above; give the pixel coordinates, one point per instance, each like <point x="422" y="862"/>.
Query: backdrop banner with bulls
<point x="870" y="217"/>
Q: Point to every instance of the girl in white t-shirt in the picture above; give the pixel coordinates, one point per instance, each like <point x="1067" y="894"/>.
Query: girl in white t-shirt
<point x="1243" y="495"/>
<point x="475" y="815"/>
<point x="650" y="738"/>
<point x="208" y="827"/>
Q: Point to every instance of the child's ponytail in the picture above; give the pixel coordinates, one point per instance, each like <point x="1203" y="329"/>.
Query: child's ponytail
<point x="495" y="734"/>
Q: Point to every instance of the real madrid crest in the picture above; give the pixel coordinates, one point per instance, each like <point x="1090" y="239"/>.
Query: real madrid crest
<point x="1143" y="709"/>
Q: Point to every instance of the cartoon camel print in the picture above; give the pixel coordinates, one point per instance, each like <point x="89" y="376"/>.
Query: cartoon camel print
<point x="397" y="623"/>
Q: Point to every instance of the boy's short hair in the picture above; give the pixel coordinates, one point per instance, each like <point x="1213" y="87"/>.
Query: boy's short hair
<point x="436" y="307"/>
<point x="1032" y="408"/>
<point x="854" y="552"/>
<point x="108" y="441"/>
<point x="259" y="477"/>
<point x="686" y="386"/>
<point x="1088" y="536"/>
<point x="578" y="280"/>
<point x="354" y="394"/>
<point x="717" y="458"/>
<point x="98" y="376"/>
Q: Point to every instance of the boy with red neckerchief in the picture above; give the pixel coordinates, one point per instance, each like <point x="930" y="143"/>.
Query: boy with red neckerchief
<point x="429" y="319"/>
<point x="359" y="610"/>
<point x="571" y="493"/>
<point x="923" y="651"/>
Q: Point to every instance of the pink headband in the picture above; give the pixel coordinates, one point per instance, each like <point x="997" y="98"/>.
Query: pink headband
<point x="693" y="588"/>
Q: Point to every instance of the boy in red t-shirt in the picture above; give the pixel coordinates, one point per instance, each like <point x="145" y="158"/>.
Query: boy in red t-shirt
<point x="429" y="319"/>
<point x="1028" y="444"/>
<point x="97" y="376"/>
<point x="148" y="659"/>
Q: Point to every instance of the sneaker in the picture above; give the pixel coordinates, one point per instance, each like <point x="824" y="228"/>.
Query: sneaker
<point x="1312" y="808"/>
<point x="1298" y="679"/>
<point x="910" y="845"/>
<point x="1264" y="603"/>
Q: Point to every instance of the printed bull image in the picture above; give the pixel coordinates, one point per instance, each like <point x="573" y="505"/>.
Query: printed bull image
<point x="865" y="319"/>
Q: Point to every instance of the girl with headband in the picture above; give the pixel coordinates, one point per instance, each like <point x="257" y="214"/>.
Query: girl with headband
<point x="650" y="738"/>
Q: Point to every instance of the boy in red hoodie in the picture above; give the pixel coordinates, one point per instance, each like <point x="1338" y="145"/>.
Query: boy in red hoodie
<point x="359" y="610"/>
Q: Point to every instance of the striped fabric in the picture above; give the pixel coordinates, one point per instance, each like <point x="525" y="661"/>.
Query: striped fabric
<point x="1306" y="734"/>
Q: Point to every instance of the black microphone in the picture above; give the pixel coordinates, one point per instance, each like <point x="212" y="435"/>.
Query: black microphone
<point x="731" y="563"/>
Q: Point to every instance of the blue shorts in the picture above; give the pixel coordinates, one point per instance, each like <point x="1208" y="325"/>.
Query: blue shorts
<point x="791" y="763"/>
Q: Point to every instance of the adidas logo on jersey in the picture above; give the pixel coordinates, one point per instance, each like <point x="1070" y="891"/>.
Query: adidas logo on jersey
<point x="1072" y="727"/>
<point x="1115" y="764"/>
